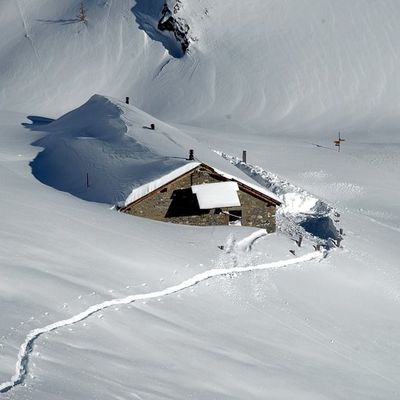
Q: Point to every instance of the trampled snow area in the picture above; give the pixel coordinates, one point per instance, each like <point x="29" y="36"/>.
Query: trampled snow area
<point x="278" y="79"/>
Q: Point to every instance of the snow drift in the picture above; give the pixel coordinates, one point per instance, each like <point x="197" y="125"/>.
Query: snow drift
<point x="89" y="153"/>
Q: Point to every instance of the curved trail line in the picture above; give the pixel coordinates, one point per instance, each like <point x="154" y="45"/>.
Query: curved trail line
<point x="21" y="367"/>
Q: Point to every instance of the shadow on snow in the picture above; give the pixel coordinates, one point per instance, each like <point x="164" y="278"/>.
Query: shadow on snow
<point x="147" y="14"/>
<point x="94" y="159"/>
<point x="60" y="21"/>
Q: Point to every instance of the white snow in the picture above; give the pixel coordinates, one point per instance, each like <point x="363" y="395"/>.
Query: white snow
<point x="23" y="355"/>
<point x="258" y="188"/>
<point x="217" y="195"/>
<point x="278" y="79"/>
<point x="298" y="203"/>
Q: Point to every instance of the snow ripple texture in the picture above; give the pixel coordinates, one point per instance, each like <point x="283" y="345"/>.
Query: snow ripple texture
<point x="21" y="368"/>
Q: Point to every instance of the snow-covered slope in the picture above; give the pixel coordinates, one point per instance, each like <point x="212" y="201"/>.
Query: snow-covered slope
<point x="319" y="330"/>
<point x="292" y="66"/>
<point x="273" y="78"/>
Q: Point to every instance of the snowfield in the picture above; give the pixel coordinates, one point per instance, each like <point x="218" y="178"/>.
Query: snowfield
<point x="101" y="305"/>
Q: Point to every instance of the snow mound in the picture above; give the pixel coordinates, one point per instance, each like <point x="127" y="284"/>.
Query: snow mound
<point x="100" y="150"/>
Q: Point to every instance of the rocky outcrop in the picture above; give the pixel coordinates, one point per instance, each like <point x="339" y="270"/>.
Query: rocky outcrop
<point x="170" y="22"/>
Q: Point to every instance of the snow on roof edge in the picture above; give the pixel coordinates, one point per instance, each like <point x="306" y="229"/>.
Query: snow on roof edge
<point x="254" y="186"/>
<point x="141" y="191"/>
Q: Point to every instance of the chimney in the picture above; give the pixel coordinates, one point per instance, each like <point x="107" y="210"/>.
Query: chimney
<point x="191" y="155"/>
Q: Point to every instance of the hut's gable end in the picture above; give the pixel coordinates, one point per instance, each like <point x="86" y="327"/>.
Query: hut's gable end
<point x="175" y="202"/>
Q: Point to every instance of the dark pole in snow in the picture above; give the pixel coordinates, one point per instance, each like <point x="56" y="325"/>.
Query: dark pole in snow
<point x="300" y="240"/>
<point x="244" y="156"/>
<point x="87" y="179"/>
<point x="127" y="100"/>
<point x="191" y="154"/>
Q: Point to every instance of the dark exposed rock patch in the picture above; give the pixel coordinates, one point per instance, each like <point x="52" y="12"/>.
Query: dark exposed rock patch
<point x="174" y="24"/>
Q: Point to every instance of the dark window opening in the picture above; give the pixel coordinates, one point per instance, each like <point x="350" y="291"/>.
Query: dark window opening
<point x="235" y="217"/>
<point x="184" y="203"/>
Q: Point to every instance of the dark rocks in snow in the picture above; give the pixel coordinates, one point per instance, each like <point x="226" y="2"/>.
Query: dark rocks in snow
<point x="176" y="25"/>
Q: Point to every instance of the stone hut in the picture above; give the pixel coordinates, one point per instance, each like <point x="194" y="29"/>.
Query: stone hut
<point x="197" y="194"/>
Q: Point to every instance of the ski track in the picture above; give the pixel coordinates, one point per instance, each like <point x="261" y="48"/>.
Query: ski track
<point x="21" y="368"/>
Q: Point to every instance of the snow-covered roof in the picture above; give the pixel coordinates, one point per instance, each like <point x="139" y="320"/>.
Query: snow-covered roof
<point x="254" y="186"/>
<point x="216" y="195"/>
<point x="143" y="190"/>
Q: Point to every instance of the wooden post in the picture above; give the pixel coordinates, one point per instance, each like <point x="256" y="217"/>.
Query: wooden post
<point x="244" y="156"/>
<point x="300" y="240"/>
<point x="338" y="142"/>
<point x="127" y="100"/>
<point x="152" y="127"/>
<point x="191" y="155"/>
<point x="87" y="179"/>
<point x="341" y="231"/>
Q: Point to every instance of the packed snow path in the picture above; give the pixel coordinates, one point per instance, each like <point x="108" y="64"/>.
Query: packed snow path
<point x="21" y="367"/>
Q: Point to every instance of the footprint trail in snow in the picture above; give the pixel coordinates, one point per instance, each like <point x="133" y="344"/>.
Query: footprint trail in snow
<point x="21" y="368"/>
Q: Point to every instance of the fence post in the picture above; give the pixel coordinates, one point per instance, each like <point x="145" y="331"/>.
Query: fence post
<point x="300" y="240"/>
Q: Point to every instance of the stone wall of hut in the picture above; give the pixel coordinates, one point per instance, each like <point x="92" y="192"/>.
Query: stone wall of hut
<point x="175" y="203"/>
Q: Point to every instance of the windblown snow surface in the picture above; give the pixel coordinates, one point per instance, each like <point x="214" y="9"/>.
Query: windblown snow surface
<point x="276" y="78"/>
